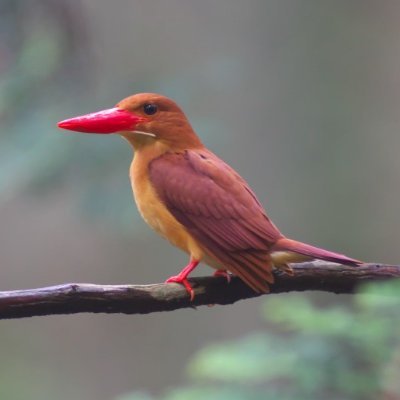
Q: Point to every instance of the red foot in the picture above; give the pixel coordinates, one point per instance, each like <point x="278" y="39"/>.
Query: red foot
<point x="182" y="278"/>
<point x="224" y="273"/>
<point x="184" y="282"/>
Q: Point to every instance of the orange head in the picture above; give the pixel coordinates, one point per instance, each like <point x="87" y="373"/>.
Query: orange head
<point x="143" y="119"/>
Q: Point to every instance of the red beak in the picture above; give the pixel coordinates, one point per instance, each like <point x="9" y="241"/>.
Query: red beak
<point x="106" y="121"/>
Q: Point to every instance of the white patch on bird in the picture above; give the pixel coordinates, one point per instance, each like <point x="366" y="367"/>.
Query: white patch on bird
<point x="145" y="133"/>
<point x="283" y="257"/>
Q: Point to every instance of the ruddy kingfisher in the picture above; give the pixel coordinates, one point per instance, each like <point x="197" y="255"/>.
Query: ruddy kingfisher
<point x="194" y="199"/>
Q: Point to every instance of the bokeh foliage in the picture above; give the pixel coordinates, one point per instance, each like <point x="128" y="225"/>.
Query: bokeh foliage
<point x="43" y="55"/>
<point x="312" y="352"/>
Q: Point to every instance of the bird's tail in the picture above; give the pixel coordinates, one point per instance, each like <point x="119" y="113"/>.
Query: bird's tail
<point x="284" y="244"/>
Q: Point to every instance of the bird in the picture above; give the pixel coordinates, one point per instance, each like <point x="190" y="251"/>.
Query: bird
<point x="194" y="199"/>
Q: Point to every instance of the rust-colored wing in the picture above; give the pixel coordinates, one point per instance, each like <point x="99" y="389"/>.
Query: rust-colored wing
<point x="219" y="210"/>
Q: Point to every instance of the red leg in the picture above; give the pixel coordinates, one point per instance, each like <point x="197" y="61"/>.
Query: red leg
<point x="182" y="277"/>
<point x="224" y="273"/>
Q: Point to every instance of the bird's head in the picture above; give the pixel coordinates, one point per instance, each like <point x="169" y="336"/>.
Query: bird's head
<point x="143" y="119"/>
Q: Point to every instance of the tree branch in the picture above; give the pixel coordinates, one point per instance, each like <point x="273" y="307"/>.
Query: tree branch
<point x="73" y="298"/>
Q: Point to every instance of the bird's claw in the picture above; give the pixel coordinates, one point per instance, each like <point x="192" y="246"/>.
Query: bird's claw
<point x="183" y="281"/>
<point x="224" y="273"/>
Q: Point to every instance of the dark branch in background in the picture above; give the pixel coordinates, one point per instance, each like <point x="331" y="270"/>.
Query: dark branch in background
<point x="73" y="298"/>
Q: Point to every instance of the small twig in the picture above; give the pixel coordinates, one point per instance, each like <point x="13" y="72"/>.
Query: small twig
<point x="73" y="298"/>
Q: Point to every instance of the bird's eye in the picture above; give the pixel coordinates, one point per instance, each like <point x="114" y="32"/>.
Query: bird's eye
<point x="150" y="109"/>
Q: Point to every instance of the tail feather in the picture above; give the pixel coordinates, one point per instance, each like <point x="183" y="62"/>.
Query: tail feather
<point x="285" y="244"/>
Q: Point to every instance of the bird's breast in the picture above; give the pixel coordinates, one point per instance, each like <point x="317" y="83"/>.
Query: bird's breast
<point x="155" y="213"/>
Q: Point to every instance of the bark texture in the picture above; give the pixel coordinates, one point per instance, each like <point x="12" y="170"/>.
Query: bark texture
<point x="73" y="298"/>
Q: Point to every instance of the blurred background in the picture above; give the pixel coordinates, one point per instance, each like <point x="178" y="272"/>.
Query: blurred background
<point x="301" y="97"/>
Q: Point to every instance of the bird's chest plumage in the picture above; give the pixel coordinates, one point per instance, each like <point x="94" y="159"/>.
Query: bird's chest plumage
<point x="149" y="205"/>
<point x="155" y="213"/>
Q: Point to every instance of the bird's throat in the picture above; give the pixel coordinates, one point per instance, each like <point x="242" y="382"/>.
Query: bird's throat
<point x="139" y="140"/>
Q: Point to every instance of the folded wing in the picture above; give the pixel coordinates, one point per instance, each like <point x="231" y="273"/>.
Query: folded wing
<point x="219" y="210"/>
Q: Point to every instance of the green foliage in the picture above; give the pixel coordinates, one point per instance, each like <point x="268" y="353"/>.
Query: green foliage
<point x="35" y="156"/>
<point x="310" y="352"/>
